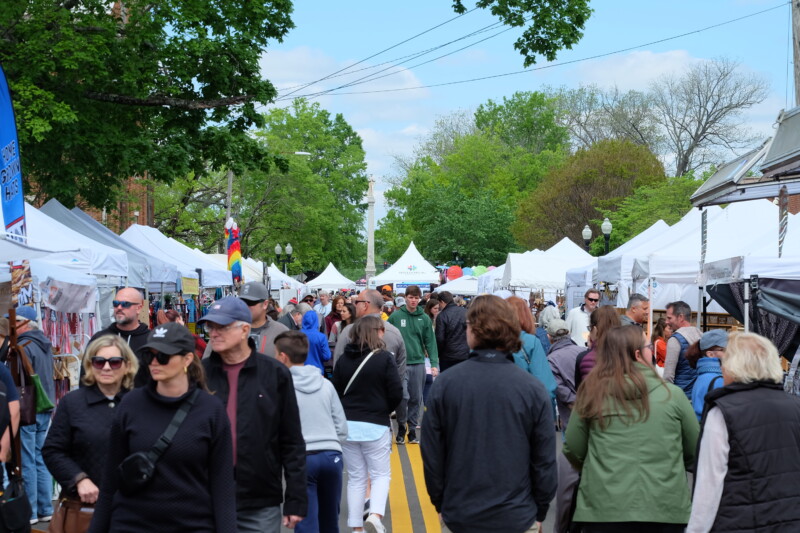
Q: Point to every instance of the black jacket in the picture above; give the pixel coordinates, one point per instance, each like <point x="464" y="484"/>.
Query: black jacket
<point x="77" y="441"/>
<point x="135" y="339"/>
<point x="761" y="491"/>
<point x="375" y="392"/>
<point x="451" y="334"/>
<point x="488" y="446"/>
<point x="40" y="353"/>
<point x="269" y="440"/>
<point x="192" y="488"/>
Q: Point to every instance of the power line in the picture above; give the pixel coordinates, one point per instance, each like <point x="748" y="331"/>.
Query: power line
<point x="552" y="65"/>
<point x="384" y="50"/>
<point x="374" y="76"/>
<point x="394" y="61"/>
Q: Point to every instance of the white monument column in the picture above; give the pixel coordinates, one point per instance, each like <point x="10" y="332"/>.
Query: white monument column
<point x="370" y="270"/>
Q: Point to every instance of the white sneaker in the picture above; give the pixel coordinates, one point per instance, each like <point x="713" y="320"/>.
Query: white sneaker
<point x="373" y="524"/>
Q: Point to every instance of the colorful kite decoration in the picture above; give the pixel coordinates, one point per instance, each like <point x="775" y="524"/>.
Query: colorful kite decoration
<point x="234" y="250"/>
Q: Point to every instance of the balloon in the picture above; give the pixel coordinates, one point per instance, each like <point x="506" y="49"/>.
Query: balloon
<point x="454" y="272"/>
<point x="467" y="271"/>
<point x="491" y="268"/>
<point x="479" y="270"/>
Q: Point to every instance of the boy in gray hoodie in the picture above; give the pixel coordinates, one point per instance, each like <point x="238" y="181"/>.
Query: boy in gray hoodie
<point x="324" y="427"/>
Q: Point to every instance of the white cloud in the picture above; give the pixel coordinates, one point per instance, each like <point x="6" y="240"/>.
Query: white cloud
<point x="634" y="70"/>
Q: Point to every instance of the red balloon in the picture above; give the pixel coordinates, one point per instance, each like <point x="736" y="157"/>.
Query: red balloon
<point x="454" y="272"/>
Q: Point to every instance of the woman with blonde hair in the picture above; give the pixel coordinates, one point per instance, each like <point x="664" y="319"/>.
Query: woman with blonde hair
<point x="632" y="436"/>
<point x="747" y="465"/>
<point x="77" y="443"/>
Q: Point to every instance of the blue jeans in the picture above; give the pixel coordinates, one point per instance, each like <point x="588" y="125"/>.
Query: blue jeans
<point x="324" y="487"/>
<point x="38" y="482"/>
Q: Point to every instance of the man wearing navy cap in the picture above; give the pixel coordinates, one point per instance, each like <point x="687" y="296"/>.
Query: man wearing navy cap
<point x="268" y="443"/>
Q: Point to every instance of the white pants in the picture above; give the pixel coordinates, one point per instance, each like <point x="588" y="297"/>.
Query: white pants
<point x="367" y="461"/>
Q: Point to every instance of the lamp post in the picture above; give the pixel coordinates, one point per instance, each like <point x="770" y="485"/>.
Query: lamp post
<point x="587" y="236"/>
<point x="283" y="259"/>
<point x="606" y="228"/>
<point x="457" y="259"/>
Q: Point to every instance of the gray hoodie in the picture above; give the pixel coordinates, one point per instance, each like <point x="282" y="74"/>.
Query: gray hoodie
<point x="321" y="414"/>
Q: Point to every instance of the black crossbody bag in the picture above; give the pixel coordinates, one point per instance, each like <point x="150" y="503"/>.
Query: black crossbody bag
<point x="137" y="470"/>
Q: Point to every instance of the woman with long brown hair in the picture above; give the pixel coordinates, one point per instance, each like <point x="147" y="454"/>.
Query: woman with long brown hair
<point x="601" y="320"/>
<point x="632" y="436"/>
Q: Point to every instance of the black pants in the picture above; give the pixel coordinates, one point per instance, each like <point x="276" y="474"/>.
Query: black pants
<point x="632" y="527"/>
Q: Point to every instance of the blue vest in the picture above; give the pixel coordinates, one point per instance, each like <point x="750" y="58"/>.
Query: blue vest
<point x="685" y="375"/>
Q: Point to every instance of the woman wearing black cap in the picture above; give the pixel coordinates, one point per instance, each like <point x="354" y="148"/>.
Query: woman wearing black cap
<point x="192" y="487"/>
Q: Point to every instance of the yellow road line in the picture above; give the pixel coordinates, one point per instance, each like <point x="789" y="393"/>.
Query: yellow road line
<point x="429" y="514"/>
<point x="398" y="501"/>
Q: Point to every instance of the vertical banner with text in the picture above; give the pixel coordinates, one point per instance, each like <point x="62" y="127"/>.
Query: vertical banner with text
<point x="13" y="201"/>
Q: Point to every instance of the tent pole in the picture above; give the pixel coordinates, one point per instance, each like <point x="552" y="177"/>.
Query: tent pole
<point x="650" y="312"/>
<point x="746" y="306"/>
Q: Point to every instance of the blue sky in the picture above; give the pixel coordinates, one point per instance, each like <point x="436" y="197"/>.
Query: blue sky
<point x="333" y="35"/>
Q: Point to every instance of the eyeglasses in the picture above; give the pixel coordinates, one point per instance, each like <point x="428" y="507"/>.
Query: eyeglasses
<point x="211" y="326"/>
<point x="115" y="363"/>
<point x="123" y="304"/>
<point x="162" y="358"/>
<point x="595" y="300"/>
<point x="360" y="302"/>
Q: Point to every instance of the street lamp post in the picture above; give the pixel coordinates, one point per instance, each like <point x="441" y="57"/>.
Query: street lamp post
<point x="283" y="259"/>
<point x="587" y="236"/>
<point x="457" y="259"/>
<point x="606" y="228"/>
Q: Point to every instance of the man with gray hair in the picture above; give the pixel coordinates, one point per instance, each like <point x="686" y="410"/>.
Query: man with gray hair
<point x="637" y="312"/>
<point x="676" y="368"/>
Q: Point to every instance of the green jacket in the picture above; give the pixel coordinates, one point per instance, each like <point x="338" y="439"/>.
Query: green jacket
<point x="636" y="472"/>
<point x="418" y="335"/>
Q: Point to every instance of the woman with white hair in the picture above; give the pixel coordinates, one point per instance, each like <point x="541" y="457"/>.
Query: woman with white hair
<point x="748" y="463"/>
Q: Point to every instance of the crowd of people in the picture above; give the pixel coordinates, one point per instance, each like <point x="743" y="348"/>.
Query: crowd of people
<point x="678" y="431"/>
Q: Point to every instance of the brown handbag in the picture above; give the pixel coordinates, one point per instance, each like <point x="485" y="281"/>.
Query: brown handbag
<point x="71" y="516"/>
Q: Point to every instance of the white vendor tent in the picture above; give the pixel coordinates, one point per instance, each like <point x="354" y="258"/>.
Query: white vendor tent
<point x="674" y="269"/>
<point x="330" y="279"/>
<point x="464" y="286"/>
<point x="410" y="269"/>
<point x="250" y="269"/>
<point x="279" y="280"/>
<point x="152" y="240"/>
<point x="543" y="271"/>
<point x="578" y="281"/>
<point x="93" y="258"/>
<point x="490" y="282"/>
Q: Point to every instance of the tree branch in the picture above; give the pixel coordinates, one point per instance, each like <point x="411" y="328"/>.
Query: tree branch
<point x="158" y="101"/>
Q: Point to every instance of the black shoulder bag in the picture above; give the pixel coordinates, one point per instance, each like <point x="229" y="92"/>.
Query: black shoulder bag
<point x="137" y="470"/>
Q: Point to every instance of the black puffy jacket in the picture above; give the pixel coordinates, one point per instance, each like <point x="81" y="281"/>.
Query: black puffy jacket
<point x="451" y="334"/>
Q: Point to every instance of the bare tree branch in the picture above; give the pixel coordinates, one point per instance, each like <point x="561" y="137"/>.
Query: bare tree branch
<point x="157" y="101"/>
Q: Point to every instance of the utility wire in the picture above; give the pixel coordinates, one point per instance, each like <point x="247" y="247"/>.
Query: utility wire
<point x="552" y="65"/>
<point x="374" y="76"/>
<point x="394" y="61"/>
<point x="384" y="50"/>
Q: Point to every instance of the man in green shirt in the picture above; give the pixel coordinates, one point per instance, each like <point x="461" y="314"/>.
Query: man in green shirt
<point x="417" y="331"/>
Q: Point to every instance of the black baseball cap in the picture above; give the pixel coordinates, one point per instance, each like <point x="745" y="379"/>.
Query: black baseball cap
<point x="170" y="338"/>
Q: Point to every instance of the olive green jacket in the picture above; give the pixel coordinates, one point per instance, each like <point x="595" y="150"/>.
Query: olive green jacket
<point x="636" y="472"/>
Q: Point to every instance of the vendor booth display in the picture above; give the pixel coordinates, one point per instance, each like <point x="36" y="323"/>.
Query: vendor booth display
<point x="410" y="269"/>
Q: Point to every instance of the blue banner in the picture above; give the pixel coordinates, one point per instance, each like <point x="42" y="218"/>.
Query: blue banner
<point x="13" y="201"/>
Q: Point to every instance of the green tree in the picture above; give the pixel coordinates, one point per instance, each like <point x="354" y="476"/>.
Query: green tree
<point x="551" y="24"/>
<point x="528" y="120"/>
<point x="316" y="203"/>
<point x="668" y="201"/>
<point x="107" y="90"/>
<point x="590" y="181"/>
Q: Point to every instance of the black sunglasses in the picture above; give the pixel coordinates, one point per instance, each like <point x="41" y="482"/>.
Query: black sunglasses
<point x="161" y="357"/>
<point x="115" y="363"/>
<point x="123" y="303"/>
<point x="593" y="299"/>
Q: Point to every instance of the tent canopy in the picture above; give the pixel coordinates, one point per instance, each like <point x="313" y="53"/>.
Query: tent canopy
<point x="251" y="270"/>
<point x="331" y="279"/>
<point x="410" y="269"/>
<point x="490" y="282"/>
<point x="465" y="286"/>
<point x="545" y="271"/>
<point x="185" y="259"/>
<point x="94" y="258"/>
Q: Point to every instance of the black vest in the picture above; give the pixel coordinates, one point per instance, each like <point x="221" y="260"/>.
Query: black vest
<point x="761" y="490"/>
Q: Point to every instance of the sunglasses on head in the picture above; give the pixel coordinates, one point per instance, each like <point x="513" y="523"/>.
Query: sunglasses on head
<point x="123" y="304"/>
<point x="161" y="357"/>
<point x="115" y="363"/>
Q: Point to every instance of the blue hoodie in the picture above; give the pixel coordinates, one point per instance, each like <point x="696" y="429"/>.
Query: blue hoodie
<point x="708" y="368"/>
<point x="318" y="350"/>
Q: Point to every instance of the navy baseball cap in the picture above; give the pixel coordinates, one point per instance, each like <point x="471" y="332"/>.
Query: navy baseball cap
<point x="170" y="338"/>
<point x="228" y="310"/>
